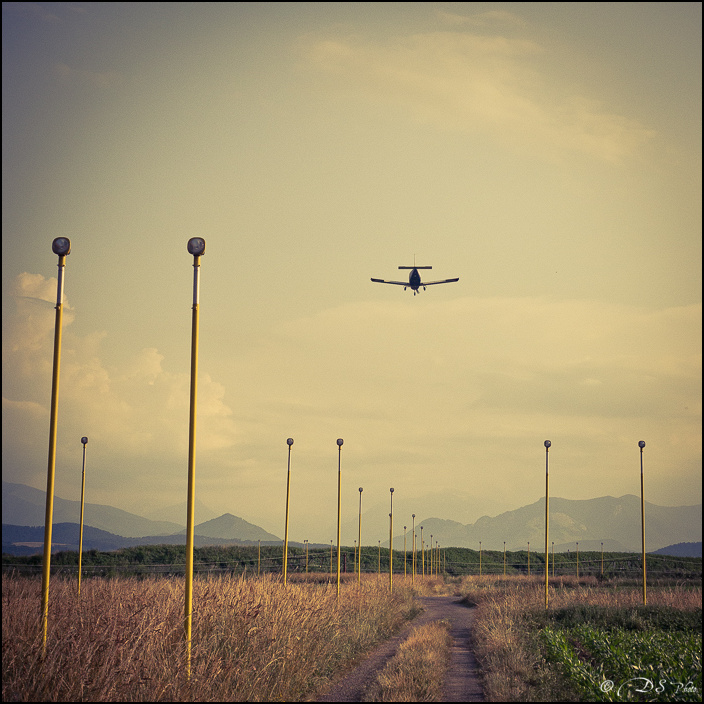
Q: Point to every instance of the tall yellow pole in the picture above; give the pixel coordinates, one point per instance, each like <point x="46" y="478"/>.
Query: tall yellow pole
<point x="430" y="556"/>
<point x="391" y="543"/>
<point x="641" y="444"/>
<point x="602" y="559"/>
<point x="547" y="444"/>
<point x="62" y="247"/>
<point x="289" y="442"/>
<point x="359" y="538"/>
<point x="413" y="551"/>
<point x="339" y="487"/>
<point x="84" y="440"/>
<point x="504" y="558"/>
<point x="529" y="558"/>
<point x="196" y="247"/>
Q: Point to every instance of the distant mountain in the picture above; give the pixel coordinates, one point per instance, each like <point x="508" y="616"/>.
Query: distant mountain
<point x="29" y="540"/>
<point x="615" y="521"/>
<point x="229" y="527"/>
<point x="25" y="506"/>
<point x="682" y="550"/>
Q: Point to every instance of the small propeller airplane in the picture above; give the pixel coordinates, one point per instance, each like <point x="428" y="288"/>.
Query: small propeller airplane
<point x="414" y="281"/>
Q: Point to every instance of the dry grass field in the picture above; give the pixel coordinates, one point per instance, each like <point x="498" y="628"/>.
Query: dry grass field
<point x="256" y="640"/>
<point x="253" y="639"/>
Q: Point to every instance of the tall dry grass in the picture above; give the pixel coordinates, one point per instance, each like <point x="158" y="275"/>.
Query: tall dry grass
<point x="512" y="669"/>
<point x="253" y="639"/>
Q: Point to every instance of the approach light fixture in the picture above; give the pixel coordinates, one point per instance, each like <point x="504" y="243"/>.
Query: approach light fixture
<point x="547" y="443"/>
<point x="61" y="246"/>
<point x="289" y="441"/>
<point x="84" y="440"/>
<point x="196" y="246"/>
<point x="340" y="441"/>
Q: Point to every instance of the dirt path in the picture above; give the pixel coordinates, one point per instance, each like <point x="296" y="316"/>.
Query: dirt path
<point x="461" y="682"/>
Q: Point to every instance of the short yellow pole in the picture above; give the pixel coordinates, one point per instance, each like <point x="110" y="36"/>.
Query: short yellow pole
<point x="413" y="550"/>
<point x="391" y="543"/>
<point x="259" y="557"/>
<point x="641" y="444"/>
<point x="289" y="442"/>
<point x="405" y="554"/>
<point x="359" y="538"/>
<point x="547" y="444"/>
<point x="577" y="560"/>
<point x="339" y="505"/>
<point x="62" y="247"/>
<point x="196" y="247"/>
<point x="84" y="440"/>
<point x="422" y="550"/>
<point x="480" y="558"/>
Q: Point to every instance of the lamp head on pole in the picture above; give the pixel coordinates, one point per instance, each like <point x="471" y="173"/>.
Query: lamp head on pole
<point x="289" y="441"/>
<point x="641" y="444"/>
<point x="61" y="246"/>
<point x="84" y="440"/>
<point x="361" y="489"/>
<point x="547" y="444"/>
<point x="339" y="442"/>
<point x="196" y="246"/>
<point x="391" y="490"/>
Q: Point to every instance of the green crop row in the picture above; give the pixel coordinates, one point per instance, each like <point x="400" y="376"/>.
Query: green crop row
<point x="611" y="665"/>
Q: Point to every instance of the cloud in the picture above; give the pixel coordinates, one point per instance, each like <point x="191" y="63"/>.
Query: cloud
<point x="479" y="83"/>
<point x="133" y="409"/>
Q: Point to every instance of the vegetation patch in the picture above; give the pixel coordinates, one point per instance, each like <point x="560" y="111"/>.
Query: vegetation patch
<point x="417" y="672"/>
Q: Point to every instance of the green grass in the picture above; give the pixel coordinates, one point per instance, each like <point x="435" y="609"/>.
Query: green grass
<point x="626" y="654"/>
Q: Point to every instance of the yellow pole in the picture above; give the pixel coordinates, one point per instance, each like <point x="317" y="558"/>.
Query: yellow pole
<point x="84" y="440"/>
<point x="289" y="442"/>
<point x="196" y="247"/>
<point x="404" y="552"/>
<point x="355" y="556"/>
<point x="62" y="247"/>
<point x="577" y="560"/>
<point x="529" y="558"/>
<point x="504" y="558"/>
<point x="339" y="487"/>
<point x="391" y="543"/>
<point x="259" y="557"/>
<point x="306" y="542"/>
<point x="553" y="559"/>
<point x="602" y="559"/>
<point x="330" y="558"/>
<point x="413" y="551"/>
<point x="641" y="444"/>
<point x="359" y="538"/>
<point x="480" y="558"/>
<point x="430" y="556"/>
<point x="379" y="566"/>
<point x="422" y="550"/>
<point x="547" y="444"/>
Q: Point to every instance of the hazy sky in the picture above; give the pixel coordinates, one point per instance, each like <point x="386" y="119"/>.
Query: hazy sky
<point x="548" y="154"/>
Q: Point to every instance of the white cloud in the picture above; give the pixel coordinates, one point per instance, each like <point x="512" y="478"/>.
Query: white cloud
<point x="480" y="83"/>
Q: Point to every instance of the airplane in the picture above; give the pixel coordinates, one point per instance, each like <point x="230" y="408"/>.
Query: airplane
<point x="414" y="281"/>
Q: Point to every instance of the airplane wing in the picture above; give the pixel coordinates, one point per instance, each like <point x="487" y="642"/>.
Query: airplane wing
<point x="431" y="283"/>
<point x="397" y="283"/>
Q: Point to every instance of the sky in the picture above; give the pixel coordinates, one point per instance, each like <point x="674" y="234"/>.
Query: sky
<point x="547" y="154"/>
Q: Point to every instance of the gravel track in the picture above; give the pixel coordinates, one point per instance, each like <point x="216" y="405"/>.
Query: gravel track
<point x="461" y="681"/>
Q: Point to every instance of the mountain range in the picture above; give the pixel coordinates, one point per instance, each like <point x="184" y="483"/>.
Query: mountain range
<point x="614" y="521"/>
